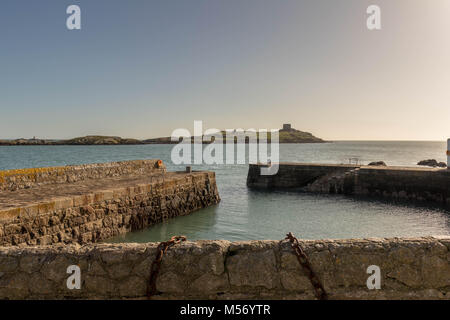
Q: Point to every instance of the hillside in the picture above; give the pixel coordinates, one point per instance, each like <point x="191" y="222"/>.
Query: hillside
<point x="297" y="136"/>
<point x="286" y="135"/>
<point x="99" y="140"/>
<point x="87" y="140"/>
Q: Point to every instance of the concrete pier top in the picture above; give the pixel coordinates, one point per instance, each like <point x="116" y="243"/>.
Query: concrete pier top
<point x="25" y="187"/>
<point x="65" y="195"/>
<point x="11" y="180"/>
<point x="351" y="166"/>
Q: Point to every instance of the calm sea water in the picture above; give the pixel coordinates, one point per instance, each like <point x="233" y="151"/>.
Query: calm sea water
<point x="245" y="214"/>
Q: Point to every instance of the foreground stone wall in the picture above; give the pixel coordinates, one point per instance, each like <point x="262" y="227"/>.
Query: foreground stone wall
<point x="95" y="216"/>
<point x="12" y="180"/>
<point x="410" y="269"/>
<point x="418" y="184"/>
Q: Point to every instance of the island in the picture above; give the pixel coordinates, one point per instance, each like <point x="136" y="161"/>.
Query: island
<point x="286" y="135"/>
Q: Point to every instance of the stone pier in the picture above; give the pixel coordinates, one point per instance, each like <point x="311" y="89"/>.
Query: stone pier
<point x="407" y="183"/>
<point x="89" y="203"/>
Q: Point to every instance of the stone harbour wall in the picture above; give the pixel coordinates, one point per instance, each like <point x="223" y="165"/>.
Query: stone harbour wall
<point x="431" y="185"/>
<point x="292" y="175"/>
<point x="98" y="215"/>
<point x="11" y="180"/>
<point x="405" y="183"/>
<point x="410" y="269"/>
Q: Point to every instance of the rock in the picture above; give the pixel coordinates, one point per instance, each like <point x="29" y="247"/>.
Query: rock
<point x="432" y="163"/>
<point x="378" y="163"/>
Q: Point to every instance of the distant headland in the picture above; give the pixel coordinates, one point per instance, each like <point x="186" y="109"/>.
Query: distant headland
<point x="286" y="135"/>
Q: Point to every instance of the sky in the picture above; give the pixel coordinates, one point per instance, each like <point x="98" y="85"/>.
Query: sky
<point x="143" y="68"/>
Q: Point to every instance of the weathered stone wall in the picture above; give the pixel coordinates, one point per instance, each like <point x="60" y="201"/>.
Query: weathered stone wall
<point x="12" y="180"/>
<point x="420" y="184"/>
<point x="292" y="175"/>
<point x="98" y="215"/>
<point x="410" y="269"/>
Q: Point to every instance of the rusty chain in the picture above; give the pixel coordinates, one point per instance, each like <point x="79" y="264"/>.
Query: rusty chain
<point x="307" y="268"/>
<point x="301" y="257"/>
<point x="156" y="265"/>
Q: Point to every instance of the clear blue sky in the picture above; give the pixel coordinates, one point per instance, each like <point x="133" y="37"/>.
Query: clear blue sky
<point x="143" y="68"/>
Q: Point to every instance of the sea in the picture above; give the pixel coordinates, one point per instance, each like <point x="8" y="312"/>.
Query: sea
<point x="245" y="214"/>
